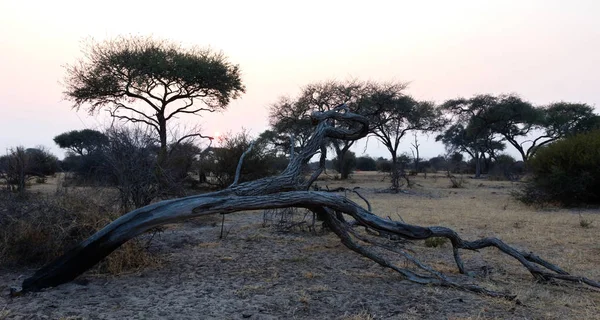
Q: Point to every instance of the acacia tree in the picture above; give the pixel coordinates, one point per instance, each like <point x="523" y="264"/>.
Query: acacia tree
<point x="471" y="130"/>
<point x="517" y="120"/>
<point x="521" y="124"/>
<point x="144" y="80"/>
<point x="289" y="123"/>
<point x="472" y="140"/>
<point x="81" y="142"/>
<point x="562" y="119"/>
<point x="292" y="116"/>
<point x="392" y="115"/>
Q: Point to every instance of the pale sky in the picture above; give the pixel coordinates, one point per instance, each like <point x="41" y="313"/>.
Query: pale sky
<point x="543" y="50"/>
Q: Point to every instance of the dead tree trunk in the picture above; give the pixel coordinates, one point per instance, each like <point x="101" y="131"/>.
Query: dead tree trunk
<point x="290" y="189"/>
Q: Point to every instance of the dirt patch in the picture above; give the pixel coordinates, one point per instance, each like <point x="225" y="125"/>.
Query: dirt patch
<point x="259" y="272"/>
<point x="255" y="273"/>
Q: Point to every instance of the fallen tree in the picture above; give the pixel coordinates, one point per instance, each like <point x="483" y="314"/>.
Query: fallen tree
<point x="291" y="189"/>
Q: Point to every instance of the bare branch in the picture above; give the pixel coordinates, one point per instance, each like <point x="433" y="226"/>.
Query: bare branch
<point x="238" y="170"/>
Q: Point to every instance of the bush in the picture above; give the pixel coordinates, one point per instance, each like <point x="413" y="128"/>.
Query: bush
<point x="20" y="165"/>
<point x="131" y="166"/>
<point x="384" y="165"/>
<point x="38" y="229"/>
<point x="505" y="167"/>
<point x="347" y="166"/>
<point x="222" y="161"/>
<point x="565" y="173"/>
<point x="435" y="242"/>
<point x="366" y="164"/>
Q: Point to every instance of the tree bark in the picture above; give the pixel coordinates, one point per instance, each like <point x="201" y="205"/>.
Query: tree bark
<point x="289" y="189"/>
<point x="477" y="165"/>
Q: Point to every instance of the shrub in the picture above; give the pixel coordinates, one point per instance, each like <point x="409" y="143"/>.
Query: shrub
<point x="38" y="229"/>
<point x="347" y="166"/>
<point x="565" y="173"/>
<point x="366" y="164"/>
<point x="435" y="242"/>
<point x="20" y="165"/>
<point x="384" y="165"/>
<point x="222" y="161"/>
<point x="505" y="167"/>
<point x="131" y="166"/>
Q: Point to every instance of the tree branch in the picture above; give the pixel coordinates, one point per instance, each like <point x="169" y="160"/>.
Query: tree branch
<point x="238" y="170"/>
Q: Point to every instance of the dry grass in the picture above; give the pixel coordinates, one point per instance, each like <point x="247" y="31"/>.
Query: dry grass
<point x="482" y="208"/>
<point x="37" y="229"/>
<point x="363" y="315"/>
<point x="486" y="209"/>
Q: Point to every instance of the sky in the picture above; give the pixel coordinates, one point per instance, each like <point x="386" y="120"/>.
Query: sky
<point x="545" y="51"/>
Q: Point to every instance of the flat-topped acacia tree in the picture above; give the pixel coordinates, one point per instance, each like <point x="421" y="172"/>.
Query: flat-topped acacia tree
<point x="291" y="189"/>
<point x="145" y="80"/>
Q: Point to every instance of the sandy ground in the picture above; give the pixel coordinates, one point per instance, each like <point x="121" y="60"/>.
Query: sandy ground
<point x="259" y="272"/>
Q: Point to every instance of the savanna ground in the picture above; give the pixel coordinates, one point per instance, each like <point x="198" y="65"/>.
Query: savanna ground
<point x="261" y="272"/>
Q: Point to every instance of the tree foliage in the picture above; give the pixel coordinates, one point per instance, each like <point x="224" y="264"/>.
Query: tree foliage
<point x="144" y="80"/>
<point x="393" y="114"/>
<point x="524" y="126"/>
<point x="365" y="163"/>
<point x="515" y="119"/>
<point x="81" y="142"/>
<point x="291" y="117"/>
<point x="471" y="129"/>
<point x="347" y="164"/>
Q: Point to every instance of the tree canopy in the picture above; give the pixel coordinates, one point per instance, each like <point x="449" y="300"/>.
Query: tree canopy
<point x="392" y="114"/>
<point x="165" y="78"/>
<point x="291" y="116"/>
<point x="81" y="142"/>
<point x="520" y="123"/>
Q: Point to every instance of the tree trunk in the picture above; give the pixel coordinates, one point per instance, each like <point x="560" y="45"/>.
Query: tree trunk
<point x="395" y="174"/>
<point x="288" y="190"/>
<point x="477" y="165"/>
<point x="162" y="134"/>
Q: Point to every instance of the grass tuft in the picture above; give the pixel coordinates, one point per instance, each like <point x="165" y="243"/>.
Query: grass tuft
<point x="435" y="242"/>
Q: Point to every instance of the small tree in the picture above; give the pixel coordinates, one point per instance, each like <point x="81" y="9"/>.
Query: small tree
<point x="82" y="142"/>
<point x="394" y="114"/>
<point x="347" y="164"/>
<point x="166" y="79"/>
<point x="20" y="164"/>
<point x="383" y="165"/>
<point x="292" y="116"/>
<point x="366" y="164"/>
<point x="131" y="164"/>
<point x="85" y="155"/>
<point x="506" y="167"/>
<point x="223" y="159"/>
<point x="438" y="163"/>
<point x="472" y="129"/>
